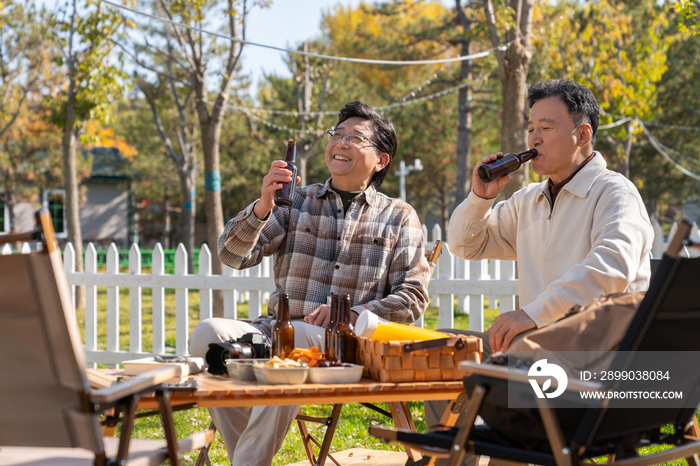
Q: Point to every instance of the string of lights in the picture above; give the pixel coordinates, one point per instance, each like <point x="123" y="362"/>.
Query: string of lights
<point x="284" y="128"/>
<point x="688" y="158"/>
<point x="425" y="84"/>
<point x="660" y="149"/>
<point x="670" y="150"/>
<point x="614" y="123"/>
<point x="277" y="112"/>
<point x="259" y="110"/>
<point x="648" y="123"/>
<point x="678" y="127"/>
<point x="420" y="88"/>
<point x="312" y="54"/>
<point x="250" y="111"/>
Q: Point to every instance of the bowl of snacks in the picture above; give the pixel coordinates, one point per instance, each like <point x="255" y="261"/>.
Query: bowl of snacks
<point x="278" y="371"/>
<point x="242" y="369"/>
<point x="335" y="372"/>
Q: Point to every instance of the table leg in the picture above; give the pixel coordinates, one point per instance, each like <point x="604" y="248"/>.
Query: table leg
<point x="307" y="439"/>
<point x="203" y="456"/>
<point x="403" y="420"/>
<point x="109" y="431"/>
<point x="328" y="437"/>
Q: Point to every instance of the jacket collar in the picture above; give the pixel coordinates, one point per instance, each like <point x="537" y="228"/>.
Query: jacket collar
<point x="369" y="194"/>
<point x="580" y="184"/>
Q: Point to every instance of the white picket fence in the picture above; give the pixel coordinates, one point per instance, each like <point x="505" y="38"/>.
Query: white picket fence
<point x="471" y="282"/>
<point x="255" y="283"/>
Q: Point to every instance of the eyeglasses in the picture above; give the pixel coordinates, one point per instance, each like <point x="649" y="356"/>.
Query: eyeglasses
<point x="353" y="139"/>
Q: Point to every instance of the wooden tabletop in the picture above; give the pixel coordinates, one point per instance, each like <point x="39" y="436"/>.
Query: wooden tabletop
<point x="222" y="391"/>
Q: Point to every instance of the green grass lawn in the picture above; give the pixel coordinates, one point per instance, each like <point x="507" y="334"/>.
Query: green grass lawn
<point x="354" y="420"/>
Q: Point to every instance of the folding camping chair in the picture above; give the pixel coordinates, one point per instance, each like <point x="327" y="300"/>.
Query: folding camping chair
<point x="48" y="414"/>
<point x="668" y="319"/>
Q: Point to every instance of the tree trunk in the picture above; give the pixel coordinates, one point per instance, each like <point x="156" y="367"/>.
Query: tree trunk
<point x="304" y="104"/>
<point x="70" y="168"/>
<point x="211" y="131"/>
<point x="72" y="200"/>
<point x="167" y="227"/>
<point x="186" y="164"/>
<point x="167" y="223"/>
<point x="514" y="130"/>
<point x="463" y="182"/>
<point x="445" y="211"/>
<point x="210" y="128"/>
<point x="513" y="65"/>
<point x="11" y="203"/>
<point x="189" y="206"/>
<point x="625" y="165"/>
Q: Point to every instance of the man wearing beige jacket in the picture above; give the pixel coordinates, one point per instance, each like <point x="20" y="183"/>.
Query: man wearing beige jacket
<point x="582" y="233"/>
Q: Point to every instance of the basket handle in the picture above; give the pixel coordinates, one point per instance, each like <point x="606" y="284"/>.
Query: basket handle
<point x="457" y="342"/>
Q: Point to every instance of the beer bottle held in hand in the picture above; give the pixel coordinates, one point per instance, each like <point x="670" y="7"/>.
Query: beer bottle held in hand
<point x="285" y="195"/>
<point x="346" y="341"/>
<point x="507" y="164"/>
<point x="282" y="332"/>
<point x="329" y="337"/>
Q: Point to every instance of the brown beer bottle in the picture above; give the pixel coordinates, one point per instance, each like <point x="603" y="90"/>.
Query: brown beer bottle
<point x="346" y="341"/>
<point x="285" y="195"/>
<point x="329" y="340"/>
<point x="282" y="332"/>
<point x="507" y="164"/>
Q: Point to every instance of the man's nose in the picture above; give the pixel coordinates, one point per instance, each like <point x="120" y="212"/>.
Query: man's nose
<point x="344" y="140"/>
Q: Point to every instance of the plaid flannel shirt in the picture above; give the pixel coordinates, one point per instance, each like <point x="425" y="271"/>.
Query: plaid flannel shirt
<point x="374" y="253"/>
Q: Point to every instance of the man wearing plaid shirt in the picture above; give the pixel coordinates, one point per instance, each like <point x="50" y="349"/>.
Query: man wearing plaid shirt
<point x="343" y="237"/>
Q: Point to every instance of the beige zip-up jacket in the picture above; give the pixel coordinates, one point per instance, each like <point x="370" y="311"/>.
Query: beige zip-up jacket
<point x="595" y="239"/>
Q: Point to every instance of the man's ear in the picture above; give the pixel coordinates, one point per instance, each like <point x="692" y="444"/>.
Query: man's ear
<point x="383" y="160"/>
<point x="585" y="133"/>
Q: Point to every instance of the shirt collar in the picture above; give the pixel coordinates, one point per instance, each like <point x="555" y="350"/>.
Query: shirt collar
<point x="369" y="194"/>
<point x="324" y="189"/>
<point x="580" y="184"/>
<point x="561" y="184"/>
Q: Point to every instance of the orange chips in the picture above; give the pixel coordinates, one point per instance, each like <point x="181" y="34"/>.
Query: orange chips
<point x="310" y="356"/>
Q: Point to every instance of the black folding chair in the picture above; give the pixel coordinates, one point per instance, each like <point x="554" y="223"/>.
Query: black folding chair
<point x="668" y="319"/>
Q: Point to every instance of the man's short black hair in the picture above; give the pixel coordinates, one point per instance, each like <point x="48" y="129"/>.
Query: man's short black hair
<point x="384" y="134"/>
<point x="582" y="104"/>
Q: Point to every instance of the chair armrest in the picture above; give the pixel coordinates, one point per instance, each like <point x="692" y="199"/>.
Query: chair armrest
<point x="142" y="382"/>
<point x="519" y="375"/>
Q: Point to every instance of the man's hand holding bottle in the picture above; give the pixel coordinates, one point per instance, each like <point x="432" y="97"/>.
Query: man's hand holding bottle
<point x="272" y="182"/>
<point x="488" y="190"/>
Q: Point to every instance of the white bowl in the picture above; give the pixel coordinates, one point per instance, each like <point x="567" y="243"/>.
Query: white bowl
<point x="242" y="369"/>
<point x="281" y="375"/>
<point x="332" y="375"/>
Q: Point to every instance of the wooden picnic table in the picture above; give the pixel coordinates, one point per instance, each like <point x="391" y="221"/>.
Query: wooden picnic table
<point x="222" y="391"/>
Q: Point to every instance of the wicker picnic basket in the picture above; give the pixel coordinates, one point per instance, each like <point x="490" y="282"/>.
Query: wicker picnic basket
<point x="389" y="362"/>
